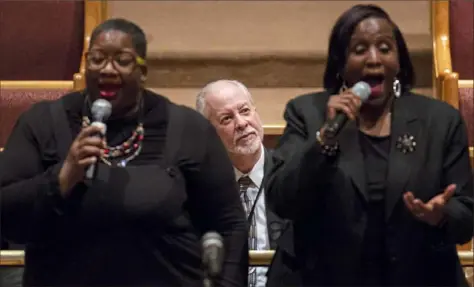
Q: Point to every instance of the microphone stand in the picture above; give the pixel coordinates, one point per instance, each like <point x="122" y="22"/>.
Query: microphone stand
<point x="207" y="281"/>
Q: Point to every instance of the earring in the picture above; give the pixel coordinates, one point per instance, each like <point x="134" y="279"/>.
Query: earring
<point x="397" y="88"/>
<point x="343" y="87"/>
<point x="143" y="78"/>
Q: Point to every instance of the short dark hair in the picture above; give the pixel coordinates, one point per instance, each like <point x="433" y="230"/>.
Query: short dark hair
<point x="340" y="38"/>
<point x="118" y="24"/>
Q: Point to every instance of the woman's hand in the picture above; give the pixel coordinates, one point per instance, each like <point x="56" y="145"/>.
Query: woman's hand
<point x="431" y="212"/>
<point x="84" y="151"/>
<point x="346" y="102"/>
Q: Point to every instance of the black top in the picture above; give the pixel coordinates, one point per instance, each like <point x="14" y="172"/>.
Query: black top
<point x="133" y="226"/>
<point x="327" y="197"/>
<point x="375" y="151"/>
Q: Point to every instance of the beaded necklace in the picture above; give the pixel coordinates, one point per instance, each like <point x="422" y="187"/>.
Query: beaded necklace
<point x="121" y="154"/>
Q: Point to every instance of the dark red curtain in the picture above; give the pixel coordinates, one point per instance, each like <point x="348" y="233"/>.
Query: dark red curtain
<point x="40" y="40"/>
<point x="461" y="23"/>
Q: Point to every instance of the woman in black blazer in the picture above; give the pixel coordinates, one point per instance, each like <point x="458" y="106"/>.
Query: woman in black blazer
<point x="384" y="201"/>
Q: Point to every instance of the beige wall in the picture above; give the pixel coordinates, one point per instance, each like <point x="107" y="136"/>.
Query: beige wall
<point x="257" y="26"/>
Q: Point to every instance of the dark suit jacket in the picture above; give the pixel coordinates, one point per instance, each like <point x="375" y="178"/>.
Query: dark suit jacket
<point x="326" y="199"/>
<point x="275" y="225"/>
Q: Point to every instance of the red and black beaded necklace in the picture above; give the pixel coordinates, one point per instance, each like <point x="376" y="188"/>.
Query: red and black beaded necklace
<point x="121" y="154"/>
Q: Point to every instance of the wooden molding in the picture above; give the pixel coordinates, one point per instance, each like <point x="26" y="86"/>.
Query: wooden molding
<point x="12" y="257"/>
<point x="76" y="85"/>
<point x="79" y="81"/>
<point x="95" y="12"/>
<point x="265" y="257"/>
<point x="466" y="84"/>
<point x="273" y="130"/>
<point x="16" y="257"/>
<point x="440" y="32"/>
<point x="447" y="82"/>
<point x="36" y="84"/>
<point x="261" y="257"/>
<point x="441" y="45"/>
<point x="450" y="89"/>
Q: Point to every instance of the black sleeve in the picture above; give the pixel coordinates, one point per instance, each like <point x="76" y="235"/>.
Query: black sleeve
<point x="457" y="170"/>
<point x="29" y="189"/>
<point x="214" y="200"/>
<point x="296" y="184"/>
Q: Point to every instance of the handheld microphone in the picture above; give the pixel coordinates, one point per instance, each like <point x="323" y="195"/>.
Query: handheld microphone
<point x="212" y="253"/>
<point x="101" y="110"/>
<point x="360" y="89"/>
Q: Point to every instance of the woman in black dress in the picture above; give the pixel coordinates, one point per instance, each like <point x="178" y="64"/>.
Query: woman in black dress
<point x="384" y="201"/>
<point x="163" y="179"/>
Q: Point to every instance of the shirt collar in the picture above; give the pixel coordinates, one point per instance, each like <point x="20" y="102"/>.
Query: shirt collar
<point x="256" y="174"/>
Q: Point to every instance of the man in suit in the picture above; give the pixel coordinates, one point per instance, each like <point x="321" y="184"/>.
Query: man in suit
<point x="228" y="105"/>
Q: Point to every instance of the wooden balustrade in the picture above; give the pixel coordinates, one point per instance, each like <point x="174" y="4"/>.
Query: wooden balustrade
<point x="257" y="258"/>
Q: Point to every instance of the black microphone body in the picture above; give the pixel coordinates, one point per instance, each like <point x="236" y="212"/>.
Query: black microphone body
<point x="334" y="126"/>
<point x="212" y="254"/>
<point x="101" y="110"/>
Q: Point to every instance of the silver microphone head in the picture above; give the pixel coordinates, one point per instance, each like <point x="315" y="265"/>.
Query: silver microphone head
<point x="362" y="90"/>
<point x="101" y="110"/>
<point x="212" y="238"/>
<point x="212" y="252"/>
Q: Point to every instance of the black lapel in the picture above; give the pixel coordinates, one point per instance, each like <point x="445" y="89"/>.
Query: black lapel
<point x="402" y="165"/>
<point x="274" y="223"/>
<point x="351" y="160"/>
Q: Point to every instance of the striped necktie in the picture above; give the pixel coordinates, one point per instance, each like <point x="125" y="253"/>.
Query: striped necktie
<point x="244" y="184"/>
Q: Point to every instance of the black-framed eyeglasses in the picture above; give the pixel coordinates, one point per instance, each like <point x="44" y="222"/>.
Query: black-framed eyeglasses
<point x="123" y="61"/>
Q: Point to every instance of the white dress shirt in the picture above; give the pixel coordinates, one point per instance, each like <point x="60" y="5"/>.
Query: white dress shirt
<point x="263" y="243"/>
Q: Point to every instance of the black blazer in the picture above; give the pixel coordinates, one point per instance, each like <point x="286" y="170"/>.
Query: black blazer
<point x="275" y="225"/>
<point x="327" y="199"/>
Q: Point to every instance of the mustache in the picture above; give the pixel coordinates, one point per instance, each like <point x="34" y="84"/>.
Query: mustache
<point x="240" y="135"/>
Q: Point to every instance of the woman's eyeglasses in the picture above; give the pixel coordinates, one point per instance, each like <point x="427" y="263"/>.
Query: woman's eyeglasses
<point x="124" y="61"/>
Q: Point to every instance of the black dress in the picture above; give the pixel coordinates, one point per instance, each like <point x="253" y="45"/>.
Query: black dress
<point x="133" y="226"/>
<point x="373" y="262"/>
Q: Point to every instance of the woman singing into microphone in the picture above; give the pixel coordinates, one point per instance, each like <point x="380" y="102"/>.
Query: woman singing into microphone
<point x="385" y="201"/>
<point x="163" y="180"/>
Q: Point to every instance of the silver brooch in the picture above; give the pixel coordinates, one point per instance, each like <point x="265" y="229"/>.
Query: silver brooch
<point x="406" y="143"/>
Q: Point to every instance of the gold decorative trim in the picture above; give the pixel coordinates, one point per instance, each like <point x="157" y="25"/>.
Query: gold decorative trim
<point x="442" y="52"/>
<point x="16" y="257"/>
<point x="12" y="257"/>
<point x="466" y="84"/>
<point x="441" y="42"/>
<point x="261" y="257"/>
<point x="466" y="257"/>
<point x="96" y="12"/>
<point x="36" y="84"/>
<point x="449" y="89"/>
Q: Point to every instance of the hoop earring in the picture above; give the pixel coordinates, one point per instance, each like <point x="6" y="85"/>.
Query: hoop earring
<point x="397" y="88"/>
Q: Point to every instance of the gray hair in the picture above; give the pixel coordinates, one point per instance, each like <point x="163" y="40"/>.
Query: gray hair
<point x="213" y="87"/>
